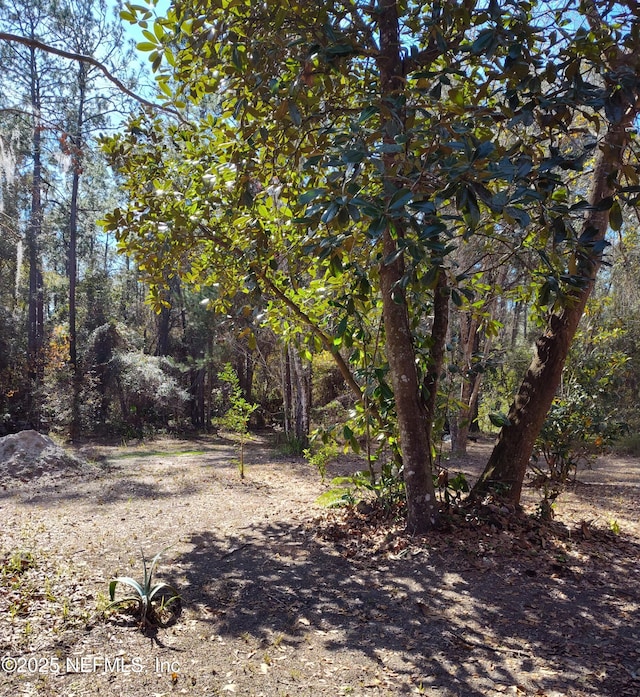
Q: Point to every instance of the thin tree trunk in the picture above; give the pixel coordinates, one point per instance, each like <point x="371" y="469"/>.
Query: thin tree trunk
<point x="164" y="328"/>
<point x="287" y="397"/>
<point x="76" y="155"/>
<point x="164" y="324"/>
<point x="35" y="333"/>
<point x="507" y="466"/>
<point x="197" y="400"/>
<point x="460" y="415"/>
<point x="439" y="331"/>
<point x="472" y="379"/>
<point x="245" y="371"/>
<point x="516" y="322"/>
<point x="296" y="397"/>
<point x="301" y="375"/>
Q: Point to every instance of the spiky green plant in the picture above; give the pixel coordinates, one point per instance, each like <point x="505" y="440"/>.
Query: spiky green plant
<point x="145" y="592"/>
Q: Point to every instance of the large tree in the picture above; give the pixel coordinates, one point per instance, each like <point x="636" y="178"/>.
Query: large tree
<point x="616" y="67"/>
<point x="336" y="153"/>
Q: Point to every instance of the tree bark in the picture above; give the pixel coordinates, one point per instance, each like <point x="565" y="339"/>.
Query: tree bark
<point x="197" y="397"/>
<point x="72" y="261"/>
<point x="302" y="398"/>
<point x="411" y="413"/>
<point x="164" y="330"/>
<point x="471" y="342"/>
<point x="439" y="331"/>
<point x="287" y="396"/>
<point x="35" y="333"/>
<point x="460" y="417"/>
<point x="507" y="465"/>
<point x="296" y="394"/>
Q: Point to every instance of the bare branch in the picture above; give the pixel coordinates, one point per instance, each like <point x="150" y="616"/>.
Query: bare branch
<point x="70" y="55"/>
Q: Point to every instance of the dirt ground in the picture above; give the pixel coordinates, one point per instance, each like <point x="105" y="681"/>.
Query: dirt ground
<point x="282" y="598"/>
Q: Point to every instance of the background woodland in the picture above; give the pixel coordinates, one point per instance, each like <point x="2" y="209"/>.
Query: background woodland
<point x="376" y="214"/>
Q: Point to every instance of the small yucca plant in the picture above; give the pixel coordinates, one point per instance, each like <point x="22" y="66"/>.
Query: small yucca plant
<point x="145" y="592"/>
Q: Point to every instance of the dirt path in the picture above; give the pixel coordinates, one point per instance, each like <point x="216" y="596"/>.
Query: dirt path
<point x="280" y="599"/>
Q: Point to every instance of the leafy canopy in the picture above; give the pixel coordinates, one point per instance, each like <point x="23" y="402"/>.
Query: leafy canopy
<point x="293" y="157"/>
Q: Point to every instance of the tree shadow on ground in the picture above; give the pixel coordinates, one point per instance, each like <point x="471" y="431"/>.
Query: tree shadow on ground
<point x="446" y="620"/>
<point x="126" y="488"/>
<point x="616" y="499"/>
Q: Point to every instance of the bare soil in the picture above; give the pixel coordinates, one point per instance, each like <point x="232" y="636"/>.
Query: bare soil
<point x="281" y="597"/>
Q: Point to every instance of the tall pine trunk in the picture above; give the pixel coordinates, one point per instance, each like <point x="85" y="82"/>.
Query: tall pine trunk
<point x="35" y="332"/>
<point x="507" y="465"/>
<point x="72" y="260"/>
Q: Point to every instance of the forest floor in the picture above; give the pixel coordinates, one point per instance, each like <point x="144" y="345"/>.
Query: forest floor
<point x="281" y="597"/>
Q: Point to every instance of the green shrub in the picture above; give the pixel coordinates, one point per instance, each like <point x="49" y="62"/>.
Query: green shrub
<point x="628" y="445"/>
<point x="585" y="417"/>
<point x="388" y="488"/>
<point x="450" y="487"/>
<point x="237" y="416"/>
<point x="320" y="454"/>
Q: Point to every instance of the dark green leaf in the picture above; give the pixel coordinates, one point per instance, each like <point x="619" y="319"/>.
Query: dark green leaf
<point x="339" y="50"/>
<point x="377" y="227"/>
<point x="400" y="199"/>
<point x="425" y="206"/>
<point x="484" y="150"/>
<point x="484" y="43"/>
<point x="294" y="114"/>
<point x="330" y="213"/>
<point x="354" y="156"/>
<point x="519" y="215"/>
<point x="604" y="205"/>
<point x="310" y="195"/>
<point x="367" y="113"/>
<point x="559" y="230"/>
<point x="394" y="256"/>
<point x="499" y="419"/>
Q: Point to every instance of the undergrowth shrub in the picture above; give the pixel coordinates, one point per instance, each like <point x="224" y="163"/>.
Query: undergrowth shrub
<point x="237" y="416"/>
<point x="149" y="396"/>
<point x="628" y="445"/>
<point x="585" y="417"/>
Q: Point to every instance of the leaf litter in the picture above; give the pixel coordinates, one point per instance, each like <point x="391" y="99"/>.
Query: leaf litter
<point x="281" y="597"/>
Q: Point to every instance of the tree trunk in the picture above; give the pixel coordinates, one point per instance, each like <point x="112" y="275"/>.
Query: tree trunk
<point x="470" y="343"/>
<point x="296" y="397"/>
<point x="410" y="409"/>
<point x="245" y="370"/>
<point x="164" y="331"/>
<point x="507" y="466"/>
<point x="439" y="331"/>
<point x="302" y="399"/>
<point x="72" y="261"/>
<point x="285" y="371"/>
<point x="35" y="333"/>
<point x="165" y="324"/>
<point x="197" y="397"/>
<point x="461" y="412"/>
<point x="463" y="418"/>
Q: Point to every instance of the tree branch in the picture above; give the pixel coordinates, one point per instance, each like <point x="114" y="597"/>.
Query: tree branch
<point x="327" y="342"/>
<point x="70" y="55"/>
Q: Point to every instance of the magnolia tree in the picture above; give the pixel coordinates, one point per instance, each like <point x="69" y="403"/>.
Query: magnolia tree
<point x="331" y="157"/>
